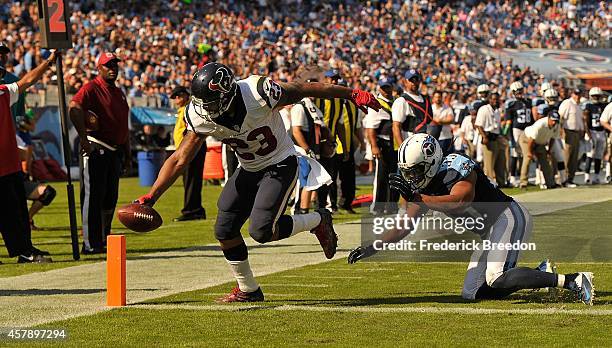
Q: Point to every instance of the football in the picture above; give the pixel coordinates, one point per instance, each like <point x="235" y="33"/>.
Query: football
<point x="139" y="217"/>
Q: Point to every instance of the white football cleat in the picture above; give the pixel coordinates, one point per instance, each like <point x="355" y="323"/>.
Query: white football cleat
<point x="583" y="287"/>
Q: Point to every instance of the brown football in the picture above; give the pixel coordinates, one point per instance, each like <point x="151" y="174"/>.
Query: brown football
<point x="139" y="217"/>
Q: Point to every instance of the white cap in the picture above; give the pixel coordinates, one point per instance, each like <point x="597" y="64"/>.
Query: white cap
<point x="595" y="91"/>
<point x="484" y="88"/>
<point x="515" y="86"/>
<point x="544" y="87"/>
<point x="551" y="96"/>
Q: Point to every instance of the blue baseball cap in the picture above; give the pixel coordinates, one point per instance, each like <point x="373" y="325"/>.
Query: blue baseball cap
<point x="385" y="82"/>
<point x="554" y="116"/>
<point x="332" y="73"/>
<point x="412" y="73"/>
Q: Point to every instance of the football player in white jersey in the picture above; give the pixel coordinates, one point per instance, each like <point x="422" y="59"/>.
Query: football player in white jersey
<point x="244" y="115"/>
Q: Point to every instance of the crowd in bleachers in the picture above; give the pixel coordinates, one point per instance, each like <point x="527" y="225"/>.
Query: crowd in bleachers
<point x="372" y="45"/>
<point x="163" y="42"/>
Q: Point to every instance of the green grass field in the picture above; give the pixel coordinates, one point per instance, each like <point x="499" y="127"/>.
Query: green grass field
<point x="335" y="304"/>
<point x="55" y="234"/>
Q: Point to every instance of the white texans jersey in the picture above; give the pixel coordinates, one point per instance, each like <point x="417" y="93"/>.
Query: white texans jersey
<point x="255" y="130"/>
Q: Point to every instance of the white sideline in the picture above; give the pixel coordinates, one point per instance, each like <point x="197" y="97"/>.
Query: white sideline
<point x="347" y="309"/>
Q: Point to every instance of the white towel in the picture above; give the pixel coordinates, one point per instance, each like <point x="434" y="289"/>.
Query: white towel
<point x="317" y="177"/>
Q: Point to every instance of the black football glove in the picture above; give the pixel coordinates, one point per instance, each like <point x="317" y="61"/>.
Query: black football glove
<point x="360" y="253"/>
<point x="399" y="184"/>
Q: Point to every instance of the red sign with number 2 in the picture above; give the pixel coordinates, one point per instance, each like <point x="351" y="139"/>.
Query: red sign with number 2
<point x="57" y="22"/>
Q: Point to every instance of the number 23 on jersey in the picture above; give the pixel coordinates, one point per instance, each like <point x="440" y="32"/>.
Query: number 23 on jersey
<point x="265" y="143"/>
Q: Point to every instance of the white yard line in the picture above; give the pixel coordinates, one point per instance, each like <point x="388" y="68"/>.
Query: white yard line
<point x="361" y="309"/>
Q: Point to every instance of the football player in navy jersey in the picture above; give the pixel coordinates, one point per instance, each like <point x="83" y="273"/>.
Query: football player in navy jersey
<point x="596" y="133"/>
<point x="518" y="112"/>
<point x="451" y="184"/>
<point x="539" y="100"/>
<point x="245" y="115"/>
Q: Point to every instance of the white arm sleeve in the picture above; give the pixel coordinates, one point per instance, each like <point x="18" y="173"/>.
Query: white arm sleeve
<point x="370" y="121"/>
<point x="480" y="117"/>
<point x="398" y="110"/>
<point x="564" y="110"/>
<point x="297" y="116"/>
<point x="13" y="92"/>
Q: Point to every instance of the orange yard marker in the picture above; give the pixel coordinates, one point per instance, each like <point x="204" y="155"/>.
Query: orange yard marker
<point x="115" y="271"/>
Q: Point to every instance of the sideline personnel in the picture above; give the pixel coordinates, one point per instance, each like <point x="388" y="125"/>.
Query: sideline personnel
<point x="192" y="178"/>
<point x="14" y="221"/>
<point x="103" y="146"/>
<point x="379" y="130"/>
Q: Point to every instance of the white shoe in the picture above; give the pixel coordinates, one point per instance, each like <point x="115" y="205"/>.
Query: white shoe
<point x="583" y="287"/>
<point x="547" y="266"/>
<point x="570" y="184"/>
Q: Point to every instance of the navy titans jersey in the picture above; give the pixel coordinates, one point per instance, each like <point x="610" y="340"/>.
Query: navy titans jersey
<point x="455" y="168"/>
<point x="537" y="101"/>
<point x="594" y="113"/>
<point x="519" y="111"/>
<point x="545" y="110"/>
<point x="489" y="201"/>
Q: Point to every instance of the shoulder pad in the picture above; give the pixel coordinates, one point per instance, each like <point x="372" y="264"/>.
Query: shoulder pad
<point x="542" y="109"/>
<point x="509" y="103"/>
<point x="477" y="104"/>
<point x="248" y="87"/>
<point x="459" y="164"/>
<point x="537" y="101"/>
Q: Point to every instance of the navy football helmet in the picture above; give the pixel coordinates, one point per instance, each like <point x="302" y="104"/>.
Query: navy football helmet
<point x="213" y="89"/>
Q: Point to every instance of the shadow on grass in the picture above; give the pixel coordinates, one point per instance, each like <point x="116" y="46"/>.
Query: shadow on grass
<point x="375" y="301"/>
<point x="47" y="292"/>
<point x="170" y="257"/>
<point x="155" y="302"/>
<point x="562" y="296"/>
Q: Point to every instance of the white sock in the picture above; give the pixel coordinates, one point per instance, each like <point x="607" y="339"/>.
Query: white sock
<point x="244" y="275"/>
<point x="538" y="175"/>
<point x="607" y="169"/>
<point x="305" y="222"/>
<point x="560" y="280"/>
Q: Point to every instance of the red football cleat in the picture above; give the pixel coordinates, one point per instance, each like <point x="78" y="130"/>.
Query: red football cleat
<point x="238" y="295"/>
<point x="325" y="233"/>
